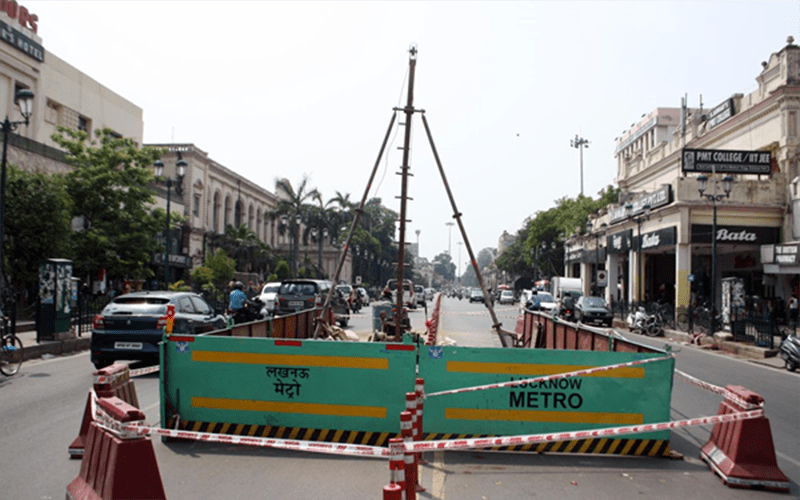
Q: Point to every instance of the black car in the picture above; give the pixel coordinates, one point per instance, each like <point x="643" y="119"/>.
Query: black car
<point x="301" y="294"/>
<point x="593" y="310"/>
<point x="131" y="326"/>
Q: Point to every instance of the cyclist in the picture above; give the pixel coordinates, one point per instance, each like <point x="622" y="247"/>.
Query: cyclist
<point x="237" y="302"/>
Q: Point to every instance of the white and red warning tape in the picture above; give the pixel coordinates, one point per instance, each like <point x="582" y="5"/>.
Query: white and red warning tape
<point x="719" y="390"/>
<point x="455" y="444"/>
<point x="144" y="371"/>
<point x="550" y="377"/>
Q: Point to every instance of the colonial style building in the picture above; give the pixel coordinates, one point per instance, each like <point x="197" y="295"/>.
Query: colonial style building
<point x="657" y="241"/>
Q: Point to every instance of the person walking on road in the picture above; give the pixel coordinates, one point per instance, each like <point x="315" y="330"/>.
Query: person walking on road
<point x="791" y="305"/>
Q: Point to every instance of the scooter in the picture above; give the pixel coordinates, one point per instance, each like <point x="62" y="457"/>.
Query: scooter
<point x="790" y="352"/>
<point x="643" y="323"/>
<point x="255" y="310"/>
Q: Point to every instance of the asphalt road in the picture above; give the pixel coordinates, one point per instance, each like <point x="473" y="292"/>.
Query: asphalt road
<point x="41" y="409"/>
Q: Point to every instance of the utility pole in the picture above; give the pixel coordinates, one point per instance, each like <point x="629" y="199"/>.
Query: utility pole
<point x="580" y="143"/>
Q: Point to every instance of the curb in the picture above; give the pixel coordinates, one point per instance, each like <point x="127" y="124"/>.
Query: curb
<point x="55" y="347"/>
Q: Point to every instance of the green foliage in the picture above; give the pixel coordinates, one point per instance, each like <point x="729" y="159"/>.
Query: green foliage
<point x="36" y="223"/>
<point x="282" y="270"/>
<point x="444" y="267"/>
<point x="109" y="186"/>
<point x="217" y="270"/>
<point x="180" y="286"/>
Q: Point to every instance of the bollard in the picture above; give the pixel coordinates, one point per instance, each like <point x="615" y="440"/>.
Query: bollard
<point x="392" y="492"/>
<point x="408" y="457"/>
<point x="419" y="388"/>
<point x="397" y="474"/>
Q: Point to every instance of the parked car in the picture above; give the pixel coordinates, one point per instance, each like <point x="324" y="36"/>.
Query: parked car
<point x="506" y="297"/>
<point x="269" y="296"/>
<point x="419" y="293"/>
<point x="476" y="295"/>
<point x="593" y="310"/>
<point x="131" y="326"/>
<point x="390" y="292"/>
<point x="429" y="293"/>
<point x="541" y="301"/>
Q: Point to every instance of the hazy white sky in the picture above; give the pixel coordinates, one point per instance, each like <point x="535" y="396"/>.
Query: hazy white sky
<point x="283" y="89"/>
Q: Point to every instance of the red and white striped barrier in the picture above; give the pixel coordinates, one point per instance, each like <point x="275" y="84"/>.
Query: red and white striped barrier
<point x="549" y="377"/>
<point x="144" y="371"/>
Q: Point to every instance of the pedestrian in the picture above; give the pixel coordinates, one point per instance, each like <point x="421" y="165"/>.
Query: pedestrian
<point x="791" y="305"/>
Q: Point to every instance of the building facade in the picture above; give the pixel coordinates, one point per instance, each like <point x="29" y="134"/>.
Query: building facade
<point x="656" y="243"/>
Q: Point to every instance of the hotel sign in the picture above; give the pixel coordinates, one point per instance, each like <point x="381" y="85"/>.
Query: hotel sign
<point x="726" y="161"/>
<point x="21" y="42"/>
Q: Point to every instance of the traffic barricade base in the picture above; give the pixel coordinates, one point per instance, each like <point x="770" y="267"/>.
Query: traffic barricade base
<point x="742" y="452"/>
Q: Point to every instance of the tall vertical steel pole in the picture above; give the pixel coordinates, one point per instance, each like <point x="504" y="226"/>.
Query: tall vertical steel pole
<point x="166" y="247"/>
<point x="409" y="112"/>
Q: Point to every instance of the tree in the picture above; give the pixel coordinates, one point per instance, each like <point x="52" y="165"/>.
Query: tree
<point x="293" y="203"/>
<point x="216" y="271"/>
<point x="109" y="185"/>
<point x="243" y="245"/>
<point x="444" y="267"/>
<point x="37" y="225"/>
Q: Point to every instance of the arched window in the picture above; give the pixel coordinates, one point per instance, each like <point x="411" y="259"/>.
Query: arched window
<point x="216" y="209"/>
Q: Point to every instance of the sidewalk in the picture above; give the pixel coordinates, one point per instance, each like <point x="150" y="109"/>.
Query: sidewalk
<point x="26" y="331"/>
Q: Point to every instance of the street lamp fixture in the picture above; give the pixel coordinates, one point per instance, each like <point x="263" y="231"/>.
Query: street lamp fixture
<point x="320" y="237"/>
<point x="23" y="99"/>
<point x="293" y="226"/>
<point x="645" y="216"/>
<point x="180" y="171"/>
<point x="727" y="185"/>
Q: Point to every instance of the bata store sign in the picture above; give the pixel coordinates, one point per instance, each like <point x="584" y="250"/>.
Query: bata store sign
<point x="660" y="238"/>
<point x="747" y="235"/>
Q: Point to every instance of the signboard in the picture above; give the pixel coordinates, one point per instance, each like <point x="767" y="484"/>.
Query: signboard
<point x="174" y="260"/>
<point x="21" y="42"/>
<point x="786" y="255"/>
<point x="721" y="113"/>
<point x="750" y="235"/>
<point x="726" y="161"/>
<point x="602" y="278"/>
<point x="660" y="238"/>
<point x="619" y="242"/>
<point x="573" y="254"/>
<point x="658" y="198"/>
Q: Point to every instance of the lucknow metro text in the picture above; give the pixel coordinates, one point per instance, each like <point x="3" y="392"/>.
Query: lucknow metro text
<point x="547" y="395"/>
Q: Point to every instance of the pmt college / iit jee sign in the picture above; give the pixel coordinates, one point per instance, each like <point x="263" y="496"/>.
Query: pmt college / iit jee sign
<point x="726" y="161"/>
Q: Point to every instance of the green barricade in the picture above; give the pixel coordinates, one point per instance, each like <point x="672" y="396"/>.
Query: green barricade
<point x="309" y="390"/>
<point x="622" y="396"/>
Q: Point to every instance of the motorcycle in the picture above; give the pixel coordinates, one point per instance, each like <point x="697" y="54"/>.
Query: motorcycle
<point x="255" y="310"/>
<point x="643" y="323"/>
<point x="790" y="352"/>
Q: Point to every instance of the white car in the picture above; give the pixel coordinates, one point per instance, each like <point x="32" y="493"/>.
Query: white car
<point x="542" y="301"/>
<point x="269" y="296"/>
<point x="506" y="297"/>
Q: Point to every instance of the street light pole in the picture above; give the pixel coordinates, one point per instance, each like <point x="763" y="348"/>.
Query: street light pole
<point x="24" y="99"/>
<point x="579" y="143"/>
<point x="180" y="171"/>
<point x="449" y="233"/>
<point x="595" y="287"/>
<point x="645" y="216"/>
<point x="727" y="182"/>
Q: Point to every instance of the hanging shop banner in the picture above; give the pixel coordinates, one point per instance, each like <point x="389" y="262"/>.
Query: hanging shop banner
<point x="593" y="256"/>
<point x="750" y="235"/>
<point x="619" y="242"/>
<point x="726" y="161"/>
<point x="573" y="254"/>
<point x="658" y="198"/>
<point x="661" y="238"/>
<point x="786" y="255"/>
<point x="721" y="113"/>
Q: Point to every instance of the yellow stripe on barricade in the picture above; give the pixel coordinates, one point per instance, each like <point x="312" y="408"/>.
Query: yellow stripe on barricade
<point x="524" y="369"/>
<point x="282" y="407"/>
<point x="573" y="417"/>
<point x="290" y="360"/>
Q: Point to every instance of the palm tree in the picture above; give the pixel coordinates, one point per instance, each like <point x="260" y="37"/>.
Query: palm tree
<point x="292" y="209"/>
